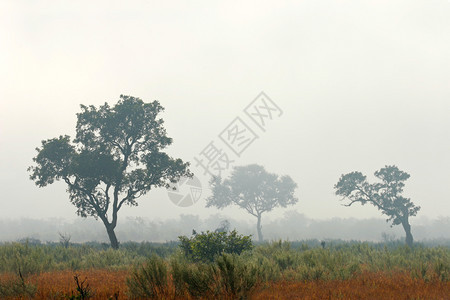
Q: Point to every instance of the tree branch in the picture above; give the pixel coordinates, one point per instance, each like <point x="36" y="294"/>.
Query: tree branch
<point x="92" y="199"/>
<point x="107" y="197"/>
<point x="369" y="198"/>
<point x="351" y="202"/>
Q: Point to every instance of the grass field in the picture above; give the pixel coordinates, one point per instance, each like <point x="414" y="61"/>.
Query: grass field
<point x="107" y="284"/>
<point x="277" y="270"/>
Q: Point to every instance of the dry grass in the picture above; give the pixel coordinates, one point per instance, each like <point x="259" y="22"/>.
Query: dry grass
<point x="368" y="285"/>
<point x="111" y="284"/>
<point x="103" y="284"/>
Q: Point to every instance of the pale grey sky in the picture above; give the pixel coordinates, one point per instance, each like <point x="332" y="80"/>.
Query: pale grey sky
<point x="362" y="84"/>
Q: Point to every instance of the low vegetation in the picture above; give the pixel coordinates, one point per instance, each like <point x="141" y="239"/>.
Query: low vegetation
<point x="207" y="246"/>
<point x="268" y="270"/>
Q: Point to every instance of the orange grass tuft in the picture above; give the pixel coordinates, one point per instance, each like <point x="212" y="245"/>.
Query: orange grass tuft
<point x="369" y="285"/>
<point x="107" y="284"/>
<point x="103" y="284"/>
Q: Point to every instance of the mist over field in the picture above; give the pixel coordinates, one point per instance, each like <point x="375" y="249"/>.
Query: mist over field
<point x="225" y="149"/>
<point x="350" y="86"/>
<point x="293" y="227"/>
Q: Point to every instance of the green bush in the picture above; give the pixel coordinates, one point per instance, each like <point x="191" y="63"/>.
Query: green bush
<point x="207" y="246"/>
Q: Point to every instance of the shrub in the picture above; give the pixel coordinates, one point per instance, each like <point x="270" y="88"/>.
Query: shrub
<point x="197" y="278"/>
<point x="83" y="289"/>
<point x="17" y="288"/>
<point x="207" y="246"/>
<point x="150" y="280"/>
<point x="230" y="275"/>
<point x="237" y="277"/>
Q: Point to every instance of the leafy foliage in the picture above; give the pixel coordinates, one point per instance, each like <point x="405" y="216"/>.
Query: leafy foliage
<point x="207" y="246"/>
<point x="253" y="189"/>
<point x="115" y="158"/>
<point x="385" y="195"/>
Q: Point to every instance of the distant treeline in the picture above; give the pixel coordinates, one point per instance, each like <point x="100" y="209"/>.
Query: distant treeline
<point x="293" y="226"/>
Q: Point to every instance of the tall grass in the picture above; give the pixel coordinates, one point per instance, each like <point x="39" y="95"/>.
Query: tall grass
<point x="235" y="276"/>
<point x="228" y="276"/>
<point x="16" y="287"/>
<point x="37" y="258"/>
<point x="150" y="280"/>
<point x="345" y="260"/>
<point x="166" y="273"/>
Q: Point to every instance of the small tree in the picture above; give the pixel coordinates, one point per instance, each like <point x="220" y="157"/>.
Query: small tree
<point x="253" y="189"/>
<point x="64" y="239"/>
<point x="115" y="158"/>
<point x="384" y="195"/>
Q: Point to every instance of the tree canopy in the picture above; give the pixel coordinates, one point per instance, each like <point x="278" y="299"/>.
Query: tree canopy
<point x="115" y="158"/>
<point x="384" y="195"/>
<point x="253" y="189"/>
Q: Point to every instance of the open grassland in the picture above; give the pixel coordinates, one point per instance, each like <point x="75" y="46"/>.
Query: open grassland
<point x="368" y="285"/>
<point x="278" y="270"/>
<point x="107" y="284"/>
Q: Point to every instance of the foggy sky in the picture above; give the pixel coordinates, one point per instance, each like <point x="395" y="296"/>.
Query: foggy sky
<point x="362" y="84"/>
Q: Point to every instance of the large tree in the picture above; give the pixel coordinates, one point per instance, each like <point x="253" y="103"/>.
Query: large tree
<point x="115" y="158"/>
<point x="384" y="195"/>
<point x="253" y="189"/>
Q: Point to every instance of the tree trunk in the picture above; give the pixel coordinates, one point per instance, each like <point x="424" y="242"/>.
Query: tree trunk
<point x="259" y="229"/>
<point x="409" y="237"/>
<point x="112" y="236"/>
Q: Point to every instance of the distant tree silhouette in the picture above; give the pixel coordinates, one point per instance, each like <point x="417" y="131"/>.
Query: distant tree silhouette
<point x="223" y="227"/>
<point x="384" y="195"/>
<point x="253" y="189"/>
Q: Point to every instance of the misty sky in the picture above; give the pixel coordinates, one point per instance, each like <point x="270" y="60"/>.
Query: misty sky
<point x="362" y="84"/>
